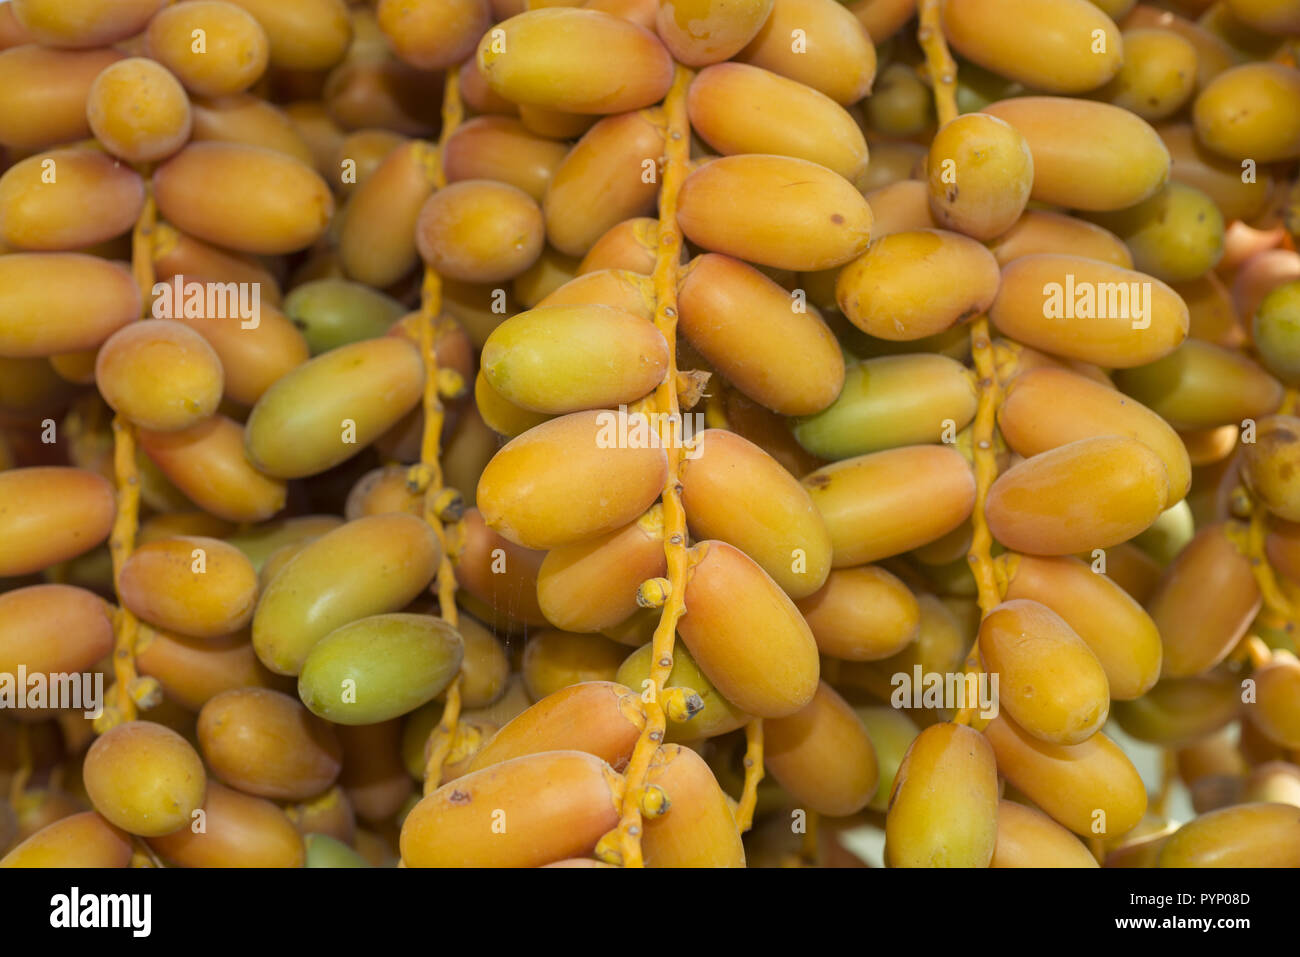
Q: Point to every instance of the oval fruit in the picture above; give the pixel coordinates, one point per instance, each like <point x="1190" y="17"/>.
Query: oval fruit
<point x="144" y="778"/>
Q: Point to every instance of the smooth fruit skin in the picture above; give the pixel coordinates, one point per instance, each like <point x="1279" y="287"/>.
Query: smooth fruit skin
<point x="1204" y="603"/>
<point x="1050" y="682"/>
<point x="602" y="718"/>
<point x="1091" y="788"/>
<point x="1120" y="633"/>
<point x="577" y="61"/>
<point x="377" y="238"/>
<point x="746" y="635"/>
<point x="735" y="492"/>
<point x="52" y="303"/>
<point x="235" y="49"/>
<point x="1040" y="231"/>
<point x="614" y="159"/>
<point x="836" y="57"/>
<point x="861" y="614"/>
<point x="265" y="743"/>
<point x="1216" y="176"/>
<point x="1175" y="235"/>
<point x="83" y="23"/>
<point x="558" y="359"/>
<point x="890" y="502"/>
<point x="1029" y="838"/>
<point x="322" y="588"/>
<point x="1276" y="332"/>
<point x="207" y="463"/>
<point x="1053" y="46"/>
<point x="501" y="148"/>
<point x="1158" y="74"/>
<point x="700" y="32"/>
<point x="144" y="778"/>
<point x="333" y="312"/>
<point x="238" y="831"/>
<point x="774" y="211"/>
<point x="891" y="401"/>
<point x="499" y="576"/>
<point x="944" y="805"/>
<point x="54" y="629"/>
<point x="93" y="198"/>
<point x="317" y="401"/>
<point x="1083" y="309"/>
<point x="50" y="514"/>
<point x="43" y="94"/>
<point x="1202" y="386"/>
<point x="718" y="716"/>
<point x="192" y="671"/>
<point x="569" y="479"/>
<point x="1092" y="493"/>
<point x="305" y="34"/>
<point x="699" y="829"/>
<point x="822" y="755"/>
<point x="1248" y="112"/>
<point x="79" y="840"/>
<point x="910" y="285"/>
<point x="1277" y="706"/>
<point x="556" y="805"/>
<point x="201" y="587"/>
<point x="379" y="668"/>
<point x="755" y="334"/>
<point x="139" y="111"/>
<point x="160" y="374"/>
<point x="1046" y="408"/>
<point x="592" y="585"/>
<point x="243" y="197"/>
<point x="980" y="175"/>
<point x="1246" y="835"/>
<point x="480" y="231"/>
<point x="1121" y="162"/>
<point x="738" y="108"/>
<point x="554" y="660"/>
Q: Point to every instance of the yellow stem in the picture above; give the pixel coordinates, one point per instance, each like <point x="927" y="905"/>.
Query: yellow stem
<point x="939" y="62"/>
<point x="677" y="151"/>
<point x="753" y="774"/>
<point x="426" y="477"/>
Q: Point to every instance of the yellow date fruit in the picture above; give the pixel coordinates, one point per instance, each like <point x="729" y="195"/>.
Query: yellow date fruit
<point x="557" y="805"/>
<point x="735" y="492"/>
<point x="572" y="478"/>
<point x="756" y="335"/>
<point x="79" y="840"/>
<point x="558" y="359"/>
<point x="575" y="60"/>
<point x="1029" y="838"/>
<point x="1090" y="493"/>
<point x="818" y="43"/>
<point x="1248" y="112"/>
<point x="144" y="778"/>
<point x="265" y="743"/>
<point x="1246" y="835"/>
<point x="914" y="284"/>
<point x="943" y="810"/>
<point x="980" y="173"/>
<point x="1202" y="386"/>
<point x="52" y="303"/>
<point x="326" y="410"/>
<point x="1120" y="633"/>
<point x="746" y="634"/>
<point x="67" y="199"/>
<point x="238" y="831"/>
<point x="700" y="32"/>
<point x="234" y="53"/>
<point x="1091" y="788"/>
<point x="1050" y="682"/>
<point x="50" y="514"/>
<point x="822" y="755"/>
<point x="379" y="668"/>
<point x="1121" y="162"/>
<point x="774" y="211"/>
<point x="890" y="502"/>
<point x="1083" y="309"/>
<point x="718" y="716"/>
<point x="322" y="588"/>
<point x="160" y="374"/>
<point x="201" y="587"/>
<point x="699" y="829"/>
